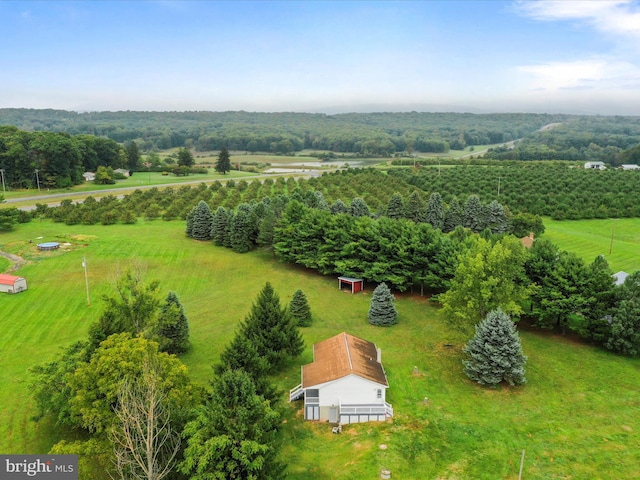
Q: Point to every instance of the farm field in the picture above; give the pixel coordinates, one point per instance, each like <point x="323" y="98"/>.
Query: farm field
<point x="590" y="238"/>
<point x="576" y="418"/>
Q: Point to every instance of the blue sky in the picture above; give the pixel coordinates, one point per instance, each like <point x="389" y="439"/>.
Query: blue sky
<point x="315" y="56"/>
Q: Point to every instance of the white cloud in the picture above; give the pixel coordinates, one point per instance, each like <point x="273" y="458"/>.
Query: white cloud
<point x="618" y="17"/>
<point x="582" y="74"/>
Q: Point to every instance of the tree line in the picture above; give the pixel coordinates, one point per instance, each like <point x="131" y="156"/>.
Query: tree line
<point x="130" y="400"/>
<point x="364" y="133"/>
<point x="558" y="190"/>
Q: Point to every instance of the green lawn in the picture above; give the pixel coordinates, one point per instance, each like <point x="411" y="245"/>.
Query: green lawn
<point x="590" y="238"/>
<point x="576" y="418"/>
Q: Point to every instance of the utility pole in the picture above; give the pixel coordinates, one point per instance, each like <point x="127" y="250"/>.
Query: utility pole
<point x="2" y="175"/>
<point x="86" y="279"/>
<point x="37" y="179"/>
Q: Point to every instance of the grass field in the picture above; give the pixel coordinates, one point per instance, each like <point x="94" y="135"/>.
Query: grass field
<point x="590" y="238"/>
<point x="577" y="417"/>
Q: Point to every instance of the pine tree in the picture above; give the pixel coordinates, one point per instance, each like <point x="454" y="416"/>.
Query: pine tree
<point x="395" y="208"/>
<point x="453" y="217"/>
<point x="200" y="221"/>
<point x="173" y="326"/>
<point x="382" y="311"/>
<point x="495" y="352"/>
<point x="474" y="217"/>
<point x="339" y="207"/>
<point x="299" y="308"/>
<point x="242" y="229"/>
<point x="223" y="164"/>
<point x="435" y="211"/>
<point x="272" y="329"/>
<point x="234" y="434"/>
<point x="359" y="208"/>
<point x="220" y="227"/>
<point x="497" y="219"/>
<point x="185" y="158"/>
<point x="416" y="208"/>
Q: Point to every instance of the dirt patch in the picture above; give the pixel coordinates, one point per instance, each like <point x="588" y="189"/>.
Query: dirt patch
<point x="16" y="261"/>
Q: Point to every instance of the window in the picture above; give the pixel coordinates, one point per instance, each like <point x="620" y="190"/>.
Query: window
<point x="379" y="393"/>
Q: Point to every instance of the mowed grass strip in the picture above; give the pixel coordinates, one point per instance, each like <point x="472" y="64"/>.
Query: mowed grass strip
<point x="617" y="239"/>
<point x="577" y="417"/>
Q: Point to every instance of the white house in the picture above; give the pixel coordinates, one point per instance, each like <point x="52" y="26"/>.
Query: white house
<point x="12" y="284"/>
<point x="631" y="166"/>
<point x="346" y="382"/>
<point x="595" y="165"/>
<point x="89" y="176"/>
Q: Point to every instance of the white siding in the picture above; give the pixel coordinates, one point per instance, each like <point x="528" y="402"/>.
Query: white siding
<point x="352" y="390"/>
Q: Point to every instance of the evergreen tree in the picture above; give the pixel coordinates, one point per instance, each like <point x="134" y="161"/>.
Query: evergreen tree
<point x="266" y="227"/>
<point x="474" y="216"/>
<point x="220" y="227"/>
<point x="625" y="329"/>
<point x="339" y="207"/>
<point x="200" y="222"/>
<point x="359" y="208"/>
<point x="272" y="329"/>
<point x="497" y="219"/>
<point x="241" y="354"/>
<point x="185" y="158"/>
<point x="223" y="165"/>
<point x="242" y="229"/>
<point x="382" y="311"/>
<point x="435" y="211"/>
<point x="299" y="308"/>
<point x="173" y="326"/>
<point x="495" y="352"/>
<point x="133" y="155"/>
<point x="600" y="294"/>
<point x="454" y="215"/>
<point x="395" y="208"/>
<point x="233" y="434"/>
<point x="416" y="208"/>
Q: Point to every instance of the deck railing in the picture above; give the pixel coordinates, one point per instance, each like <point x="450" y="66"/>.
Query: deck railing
<point x="296" y="392"/>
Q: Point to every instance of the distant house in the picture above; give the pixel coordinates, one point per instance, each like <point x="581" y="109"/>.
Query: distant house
<point x="122" y="171"/>
<point x="630" y="167"/>
<point x="595" y="165"/>
<point x="620" y="277"/>
<point x="345" y="383"/>
<point x="89" y="176"/>
<point x="12" y="284"/>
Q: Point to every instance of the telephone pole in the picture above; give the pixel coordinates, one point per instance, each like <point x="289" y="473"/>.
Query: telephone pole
<point x="86" y="279"/>
<point x="37" y="179"/>
<point x="2" y="175"/>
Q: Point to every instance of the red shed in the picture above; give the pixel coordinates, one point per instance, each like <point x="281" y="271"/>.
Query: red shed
<point x="357" y="284"/>
<point x="12" y="284"/>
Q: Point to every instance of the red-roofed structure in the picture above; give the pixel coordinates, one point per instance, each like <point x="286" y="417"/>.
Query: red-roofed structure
<point x="12" y="284"/>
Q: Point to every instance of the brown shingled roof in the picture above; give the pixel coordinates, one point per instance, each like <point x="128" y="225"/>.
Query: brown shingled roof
<point x="343" y="355"/>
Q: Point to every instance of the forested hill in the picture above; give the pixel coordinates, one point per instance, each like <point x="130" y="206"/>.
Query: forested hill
<point x="365" y="133"/>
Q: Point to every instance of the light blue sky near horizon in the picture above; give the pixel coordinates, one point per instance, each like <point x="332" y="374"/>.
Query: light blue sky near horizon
<point x="322" y="56"/>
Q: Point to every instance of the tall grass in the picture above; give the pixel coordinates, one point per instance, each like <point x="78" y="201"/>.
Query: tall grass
<point x="577" y="417"/>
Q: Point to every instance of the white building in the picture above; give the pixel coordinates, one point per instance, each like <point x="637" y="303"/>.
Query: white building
<point x="346" y="382"/>
<point x="595" y="166"/>
<point x="630" y="167"/>
<point x="12" y="284"/>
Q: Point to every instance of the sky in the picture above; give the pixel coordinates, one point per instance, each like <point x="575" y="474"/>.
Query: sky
<point x="570" y="56"/>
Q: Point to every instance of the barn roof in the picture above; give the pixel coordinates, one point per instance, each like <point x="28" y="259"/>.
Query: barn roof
<point x="340" y="356"/>
<point x="6" y="279"/>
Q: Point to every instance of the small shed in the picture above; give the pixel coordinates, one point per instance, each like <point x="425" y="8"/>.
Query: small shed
<point x="89" y="176"/>
<point x="357" y="284"/>
<point x="630" y="167"/>
<point x="12" y="284"/>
